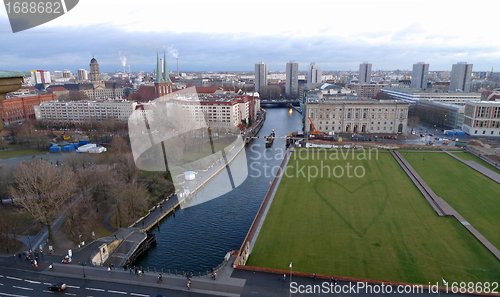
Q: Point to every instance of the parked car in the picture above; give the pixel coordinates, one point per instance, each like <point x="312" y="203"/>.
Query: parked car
<point x="57" y="287"/>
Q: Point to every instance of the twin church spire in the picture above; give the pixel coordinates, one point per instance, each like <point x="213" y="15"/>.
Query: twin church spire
<point x="162" y="77"/>
<point x="163" y="84"/>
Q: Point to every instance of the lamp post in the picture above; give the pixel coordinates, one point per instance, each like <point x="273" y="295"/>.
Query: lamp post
<point x="83" y="268"/>
<point x="290" y="279"/>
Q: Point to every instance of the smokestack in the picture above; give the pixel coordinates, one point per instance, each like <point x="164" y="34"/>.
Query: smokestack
<point x="177" y="66"/>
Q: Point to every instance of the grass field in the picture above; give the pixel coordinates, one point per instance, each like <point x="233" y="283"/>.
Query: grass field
<point x="472" y="157"/>
<point x="378" y="227"/>
<point x="474" y="196"/>
<point x="11" y="153"/>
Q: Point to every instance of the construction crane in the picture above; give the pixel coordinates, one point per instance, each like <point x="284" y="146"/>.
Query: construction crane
<point x="315" y="131"/>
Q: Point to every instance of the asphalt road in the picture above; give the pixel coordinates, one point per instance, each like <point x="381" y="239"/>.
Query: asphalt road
<point x="15" y="283"/>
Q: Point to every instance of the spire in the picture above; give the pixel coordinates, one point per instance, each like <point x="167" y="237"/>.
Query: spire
<point x="166" y="77"/>
<point x="159" y="78"/>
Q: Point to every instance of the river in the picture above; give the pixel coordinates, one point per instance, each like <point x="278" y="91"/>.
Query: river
<point x="197" y="238"/>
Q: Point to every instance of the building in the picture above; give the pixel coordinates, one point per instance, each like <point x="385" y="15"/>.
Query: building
<point x="21" y="108"/>
<point x="78" y="112"/>
<point x="314" y="75"/>
<point x="58" y="74"/>
<point x="367" y="90"/>
<point x="292" y="80"/>
<point x="95" y="74"/>
<point x="460" y="77"/>
<point x="60" y="92"/>
<point x="163" y="84"/>
<point x="357" y="116"/>
<point x="365" y="73"/>
<point x="67" y="73"/>
<point x="445" y="115"/>
<point x="482" y="118"/>
<point x="420" y="75"/>
<point x="260" y="76"/>
<point x="40" y="77"/>
<point x="83" y="75"/>
<point x="412" y="96"/>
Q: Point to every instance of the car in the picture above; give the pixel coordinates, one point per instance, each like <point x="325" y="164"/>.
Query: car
<point x="57" y="287"/>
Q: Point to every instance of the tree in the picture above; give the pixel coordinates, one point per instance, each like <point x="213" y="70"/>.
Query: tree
<point x="42" y="189"/>
<point x="413" y="121"/>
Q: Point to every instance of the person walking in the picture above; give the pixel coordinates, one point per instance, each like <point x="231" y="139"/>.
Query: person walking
<point x="160" y="278"/>
<point x="109" y="270"/>
<point x="189" y="283"/>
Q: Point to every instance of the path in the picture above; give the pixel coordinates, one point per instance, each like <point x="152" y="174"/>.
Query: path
<point x="478" y="167"/>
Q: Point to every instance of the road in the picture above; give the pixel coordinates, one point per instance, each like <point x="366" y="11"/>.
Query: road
<point x="15" y="283"/>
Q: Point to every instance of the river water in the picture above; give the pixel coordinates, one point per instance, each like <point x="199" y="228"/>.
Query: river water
<point x="197" y="238"/>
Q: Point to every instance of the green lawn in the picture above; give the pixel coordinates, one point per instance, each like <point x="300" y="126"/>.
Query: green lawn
<point x="378" y="226"/>
<point x="472" y="157"/>
<point x="7" y="154"/>
<point x="474" y="196"/>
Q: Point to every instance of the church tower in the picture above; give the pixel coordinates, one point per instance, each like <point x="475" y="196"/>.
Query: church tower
<point x="163" y="84"/>
<point x="95" y="74"/>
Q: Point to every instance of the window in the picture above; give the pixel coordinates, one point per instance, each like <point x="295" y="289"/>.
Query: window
<point x="484" y="132"/>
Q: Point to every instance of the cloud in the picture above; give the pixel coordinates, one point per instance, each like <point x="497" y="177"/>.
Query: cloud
<point x="73" y="47"/>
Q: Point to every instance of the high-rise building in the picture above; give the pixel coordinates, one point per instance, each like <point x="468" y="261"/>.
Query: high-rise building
<point x="66" y="73"/>
<point x="460" y="77"/>
<point x="420" y="75"/>
<point x="95" y="74"/>
<point x="58" y="74"/>
<point x="260" y="76"/>
<point x="83" y="74"/>
<point x="40" y="77"/>
<point x="365" y="73"/>
<point x="292" y="80"/>
<point x="314" y="74"/>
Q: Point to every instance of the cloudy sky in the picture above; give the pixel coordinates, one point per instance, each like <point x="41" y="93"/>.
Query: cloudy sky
<point x="233" y="35"/>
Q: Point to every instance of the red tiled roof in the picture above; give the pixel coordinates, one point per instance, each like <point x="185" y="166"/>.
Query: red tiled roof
<point x="58" y="89"/>
<point x="145" y="93"/>
<point x="208" y="90"/>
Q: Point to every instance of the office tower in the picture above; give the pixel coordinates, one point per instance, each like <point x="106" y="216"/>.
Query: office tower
<point x="365" y="73"/>
<point x="83" y="74"/>
<point x="460" y="77"/>
<point x="314" y="74"/>
<point x="58" y="74"/>
<point x="420" y="75"/>
<point x="95" y="74"/>
<point x="66" y="73"/>
<point x="260" y="76"/>
<point x="292" y="80"/>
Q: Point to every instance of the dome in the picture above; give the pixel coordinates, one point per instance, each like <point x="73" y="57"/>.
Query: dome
<point x="93" y="60"/>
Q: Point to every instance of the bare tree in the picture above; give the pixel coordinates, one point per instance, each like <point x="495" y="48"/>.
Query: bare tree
<point x="77" y="160"/>
<point x="130" y="202"/>
<point x="413" y="121"/>
<point x="42" y="189"/>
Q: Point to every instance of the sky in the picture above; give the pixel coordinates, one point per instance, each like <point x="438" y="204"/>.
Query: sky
<point x="233" y="35"/>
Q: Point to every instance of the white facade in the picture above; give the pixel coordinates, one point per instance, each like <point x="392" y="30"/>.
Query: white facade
<point x="292" y="80"/>
<point x="413" y="96"/>
<point x="84" y="111"/>
<point x="420" y="75"/>
<point x="482" y="118"/>
<point x="83" y="75"/>
<point x="357" y="116"/>
<point x="365" y="73"/>
<point x="260" y="76"/>
<point x="314" y="75"/>
<point x="460" y="77"/>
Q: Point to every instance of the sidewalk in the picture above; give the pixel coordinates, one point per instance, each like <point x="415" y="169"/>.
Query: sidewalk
<point x="224" y="285"/>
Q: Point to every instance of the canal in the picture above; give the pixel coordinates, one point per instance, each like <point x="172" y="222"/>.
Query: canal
<point x="197" y="238"/>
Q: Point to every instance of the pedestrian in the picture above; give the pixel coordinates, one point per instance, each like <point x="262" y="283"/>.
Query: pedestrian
<point x="159" y="278"/>
<point x="135" y="270"/>
<point x="15" y="257"/>
<point x="284" y="277"/>
<point x="314" y="276"/>
<point x="109" y="269"/>
<point x="189" y="283"/>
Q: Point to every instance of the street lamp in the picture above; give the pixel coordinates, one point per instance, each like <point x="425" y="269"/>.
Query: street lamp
<point x="83" y="268"/>
<point x="290" y="279"/>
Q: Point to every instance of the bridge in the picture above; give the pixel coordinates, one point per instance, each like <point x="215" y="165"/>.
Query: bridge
<point x="279" y="103"/>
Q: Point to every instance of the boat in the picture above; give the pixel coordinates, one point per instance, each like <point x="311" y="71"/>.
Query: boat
<point x="270" y="140"/>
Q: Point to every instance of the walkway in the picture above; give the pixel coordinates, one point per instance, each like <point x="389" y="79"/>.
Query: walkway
<point x="224" y="285"/>
<point x="478" y="167"/>
<point x="439" y="205"/>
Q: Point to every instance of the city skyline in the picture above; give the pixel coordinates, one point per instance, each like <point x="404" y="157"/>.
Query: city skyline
<point x="382" y="32"/>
